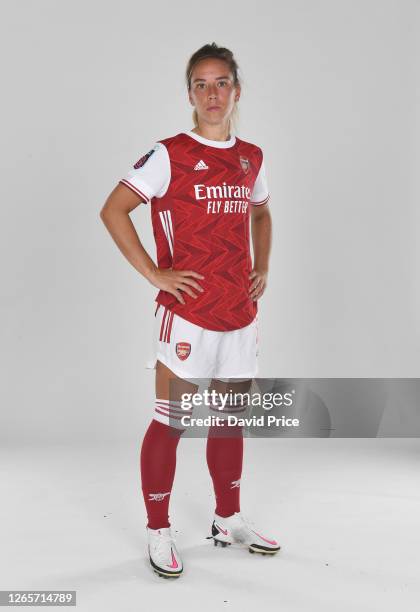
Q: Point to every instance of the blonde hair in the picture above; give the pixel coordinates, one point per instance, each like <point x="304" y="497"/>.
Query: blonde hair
<point x="221" y="53"/>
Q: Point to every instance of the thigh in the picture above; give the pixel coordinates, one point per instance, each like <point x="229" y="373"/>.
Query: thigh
<point x="231" y="386"/>
<point x="169" y="386"/>
<point x="232" y="397"/>
<point x="173" y="395"/>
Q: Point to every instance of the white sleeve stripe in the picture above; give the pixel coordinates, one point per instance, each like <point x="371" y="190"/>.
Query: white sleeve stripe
<point x="261" y="202"/>
<point x="167" y="227"/>
<point x="135" y="189"/>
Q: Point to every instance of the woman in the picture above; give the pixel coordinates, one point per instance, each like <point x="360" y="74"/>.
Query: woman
<point x="203" y="186"/>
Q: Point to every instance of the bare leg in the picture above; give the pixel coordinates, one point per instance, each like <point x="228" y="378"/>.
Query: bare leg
<point x="167" y="383"/>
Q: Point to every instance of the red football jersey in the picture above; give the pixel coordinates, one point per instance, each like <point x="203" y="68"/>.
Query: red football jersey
<point x="200" y="191"/>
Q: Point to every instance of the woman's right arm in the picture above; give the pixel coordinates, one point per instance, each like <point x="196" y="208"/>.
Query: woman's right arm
<point x="115" y="214"/>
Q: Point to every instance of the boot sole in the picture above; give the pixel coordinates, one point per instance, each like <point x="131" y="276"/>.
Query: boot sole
<point x="162" y="573"/>
<point x="263" y="552"/>
<point x="250" y="548"/>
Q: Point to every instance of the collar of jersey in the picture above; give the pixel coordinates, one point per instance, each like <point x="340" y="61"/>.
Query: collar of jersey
<point x="219" y="144"/>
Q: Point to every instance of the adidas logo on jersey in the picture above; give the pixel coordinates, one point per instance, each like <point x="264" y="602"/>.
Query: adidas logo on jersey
<point x="201" y="166"/>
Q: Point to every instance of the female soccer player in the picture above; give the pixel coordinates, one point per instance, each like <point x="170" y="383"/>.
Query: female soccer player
<point x="204" y="186"/>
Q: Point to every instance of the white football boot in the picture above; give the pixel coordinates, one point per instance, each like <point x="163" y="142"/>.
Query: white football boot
<point x="163" y="555"/>
<point x="238" y="529"/>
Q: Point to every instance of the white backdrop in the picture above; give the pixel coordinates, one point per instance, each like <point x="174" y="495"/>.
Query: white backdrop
<point x="329" y="92"/>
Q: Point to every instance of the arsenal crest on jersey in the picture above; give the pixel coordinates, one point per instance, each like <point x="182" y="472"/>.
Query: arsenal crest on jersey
<point x="183" y="349"/>
<point x="143" y="159"/>
<point x="244" y="163"/>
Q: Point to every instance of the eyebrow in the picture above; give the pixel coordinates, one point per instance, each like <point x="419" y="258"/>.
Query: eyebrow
<point x="217" y="79"/>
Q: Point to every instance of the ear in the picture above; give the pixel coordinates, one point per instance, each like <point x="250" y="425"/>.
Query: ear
<point x="238" y="93"/>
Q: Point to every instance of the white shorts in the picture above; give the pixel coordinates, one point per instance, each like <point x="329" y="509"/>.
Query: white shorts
<point x="192" y="352"/>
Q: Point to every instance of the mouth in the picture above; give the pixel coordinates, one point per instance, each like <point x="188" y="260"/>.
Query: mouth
<point x="213" y="108"/>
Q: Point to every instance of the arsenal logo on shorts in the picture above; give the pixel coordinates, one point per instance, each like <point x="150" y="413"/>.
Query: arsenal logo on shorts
<point x="244" y="163"/>
<point x="183" y="350"/>
<point x="143" y="159"/>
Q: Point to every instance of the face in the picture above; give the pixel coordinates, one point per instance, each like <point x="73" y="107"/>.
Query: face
<point x="213" y="93"/>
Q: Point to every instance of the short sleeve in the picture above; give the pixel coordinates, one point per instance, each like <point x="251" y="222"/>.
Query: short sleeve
<point x="260" y="193"/>
<point x="151" y="174"/>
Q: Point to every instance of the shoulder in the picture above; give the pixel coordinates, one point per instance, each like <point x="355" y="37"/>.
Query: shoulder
<point x="171" y="141"/>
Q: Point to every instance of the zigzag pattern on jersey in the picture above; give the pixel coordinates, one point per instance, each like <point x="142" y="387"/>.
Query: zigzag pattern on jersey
<point x="215" y="245"/>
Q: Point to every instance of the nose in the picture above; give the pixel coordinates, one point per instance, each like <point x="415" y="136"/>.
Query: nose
<point x="212" y="91"/>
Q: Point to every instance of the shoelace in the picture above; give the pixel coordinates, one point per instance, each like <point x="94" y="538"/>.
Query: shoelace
<point x="247" y="521"/>
<point x="243" y="531"/>
<point x="161" y="550"/>
<point x="248" y="524"/>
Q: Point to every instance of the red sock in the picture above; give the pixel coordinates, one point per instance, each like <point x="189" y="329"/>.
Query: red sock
<point x="224" y="460"/>
<point x="157" y="466"/>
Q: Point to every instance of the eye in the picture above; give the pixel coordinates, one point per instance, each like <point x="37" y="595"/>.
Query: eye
<point x="222" y="83"/>
<point x="200" y="85"/>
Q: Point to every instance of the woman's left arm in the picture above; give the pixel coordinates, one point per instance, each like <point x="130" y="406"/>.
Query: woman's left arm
<point x="261" y="242"/>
